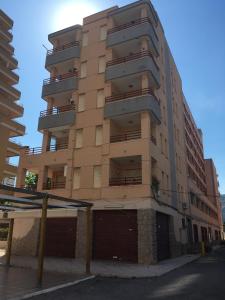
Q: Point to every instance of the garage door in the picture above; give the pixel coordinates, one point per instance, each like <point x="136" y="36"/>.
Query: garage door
<point x="61" y="237"/>
<point x="162" y="231"/>
<point x="115" y="235"/>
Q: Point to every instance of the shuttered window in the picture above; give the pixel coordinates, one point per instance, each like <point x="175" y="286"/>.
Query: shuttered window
<point x="97" y="176"/>
<point x="85" y="39"/>
<point x="79" y="138"/>
<point x="100" y="98"/>
<point x="83" y="69"/>
<point x="101" y="64"/>
<point x="76" y="178"/>
<point x="103" y="33"/>
<point x="98" y="135"/>
<point x="81" y="102"/>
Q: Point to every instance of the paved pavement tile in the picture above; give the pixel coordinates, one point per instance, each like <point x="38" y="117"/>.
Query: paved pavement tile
<point x="202" y="279"/>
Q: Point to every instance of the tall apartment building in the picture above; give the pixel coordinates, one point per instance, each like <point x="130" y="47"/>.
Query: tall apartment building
<point x="118" y="132"/>
<point x="9" y="108"/>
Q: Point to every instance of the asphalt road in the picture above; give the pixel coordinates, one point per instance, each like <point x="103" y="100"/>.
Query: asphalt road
<point x="202" y="279"/>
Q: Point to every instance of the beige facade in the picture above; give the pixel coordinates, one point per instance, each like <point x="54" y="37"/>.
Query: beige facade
<point x="10" y="109"/>
<point x="116" y="133"/>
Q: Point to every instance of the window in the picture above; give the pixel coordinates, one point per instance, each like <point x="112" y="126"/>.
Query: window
<point x="103" y="33"/>
<point x="98" y="135"/>
<point x="83" y="69"/>
<point x="97" y="176"/>
<point x="85" y="39"/>
<point x="101" y="64"/>
<point x="100" y="98"/>
<point x="76" y="178"/>
<point x="81" y="102"/>
<point x="79" y="138"/>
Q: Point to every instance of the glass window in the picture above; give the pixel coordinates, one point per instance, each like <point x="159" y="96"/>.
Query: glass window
<point x="103" y="32"/>
<point x="83" y="69"/>
<point x="85" y="39"/>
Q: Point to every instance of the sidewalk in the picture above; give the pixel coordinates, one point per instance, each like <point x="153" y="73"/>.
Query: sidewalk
<point x="105" y="268"/>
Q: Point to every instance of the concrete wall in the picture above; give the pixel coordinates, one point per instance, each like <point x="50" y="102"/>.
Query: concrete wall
<point x="58" y="120"/>
<point x="25" y="236"/>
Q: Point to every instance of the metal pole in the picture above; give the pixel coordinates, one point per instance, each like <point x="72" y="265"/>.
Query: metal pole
<point x="9" y="242"/>
<point x="42" y="239"/>
<point x="88" y="240"/>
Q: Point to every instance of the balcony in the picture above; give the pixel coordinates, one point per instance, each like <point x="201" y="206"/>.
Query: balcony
<point x="9" y="90"/>
<point x="117" y="181"/>
<point x="13" y="149"/>
<point x="65" y="52"/>
<point x="16" y="128"/>
<point x="134" y="30"/>
<point x="129" y="135"/>
<point x="60" y="84"/>
<point x="10" y="169"/>
<point x="10" y="108"/>
<point x="63" y="116"/>
<point x="7" y="57"/>
<point x="139" y="62"/>
<point x="125" y="171"/>
<point x="7" y="35"/>
<point x="54" y="185"/>
<point x="8" y="74"/>
<point x="132" y="102"/>
<point x="50" y="148"/>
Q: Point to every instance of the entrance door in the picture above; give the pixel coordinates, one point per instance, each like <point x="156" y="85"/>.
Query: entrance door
<point x="61" y="237"/>
<point x="115" y="235"/>
<point x="163" y="244"/>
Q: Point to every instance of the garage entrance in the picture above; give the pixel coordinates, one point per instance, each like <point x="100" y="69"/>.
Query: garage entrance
<point x="115" y="235"/>
<point x="162" y="232"/>
<point x="61" y="237"/>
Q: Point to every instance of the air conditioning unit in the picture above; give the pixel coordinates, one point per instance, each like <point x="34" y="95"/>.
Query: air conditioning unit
<point x="184" y="205"/>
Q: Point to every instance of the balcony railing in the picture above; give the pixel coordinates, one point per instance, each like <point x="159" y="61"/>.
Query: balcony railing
<point x="130" y="57"/>
<point x="56" y="110"/>
<point x="116" y="181"/>
<point x="52" y="148"/>
<point x="131" y="24"/>
<point x="129" y="135"/>
<point x="63" y="47"/>
<point x="61" y="77"/>
<point x="31" y="187"/>
<point x="54" y="185"/>
<point x="131" y="94"/>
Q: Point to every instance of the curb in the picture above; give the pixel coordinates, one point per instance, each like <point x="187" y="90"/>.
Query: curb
<point x="54" y="288"/>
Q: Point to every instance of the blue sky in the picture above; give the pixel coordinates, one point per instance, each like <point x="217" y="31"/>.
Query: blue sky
<point x="194" y="29"/>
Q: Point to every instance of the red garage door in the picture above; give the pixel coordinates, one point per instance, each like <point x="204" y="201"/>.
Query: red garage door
<point x="61" y="237"/>
<point x="115" y="235"/>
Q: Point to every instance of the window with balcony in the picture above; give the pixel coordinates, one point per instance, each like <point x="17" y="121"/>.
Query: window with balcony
<point x="83" y="69"/>
<point x="125" y="171"/>
<point x="81" y="102"/>
<point x="100" y="98"/>
<point x="55" y="177"/>
<point x="97" y="176"/>
<point x="85" y="39"/>
<point x="79" y="138"/>
<point x="99" y="135"/>
<point x="103" y="33"/>
<point x="76" y="178"/>
<point x="101" y="64"/>
<point x="125" y="128"/>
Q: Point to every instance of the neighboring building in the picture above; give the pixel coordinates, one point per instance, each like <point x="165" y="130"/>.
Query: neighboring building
<point x="9" y="107"/>
<point x="118" y="132"/>
<point x="222" y="198"/>
<point x="213" y="194"/>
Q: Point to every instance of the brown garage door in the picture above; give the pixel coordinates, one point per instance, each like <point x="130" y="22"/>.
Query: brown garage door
<point x="163" y="243"/>
<point x="61" y="237"/>
<point x="115" y="235"/>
